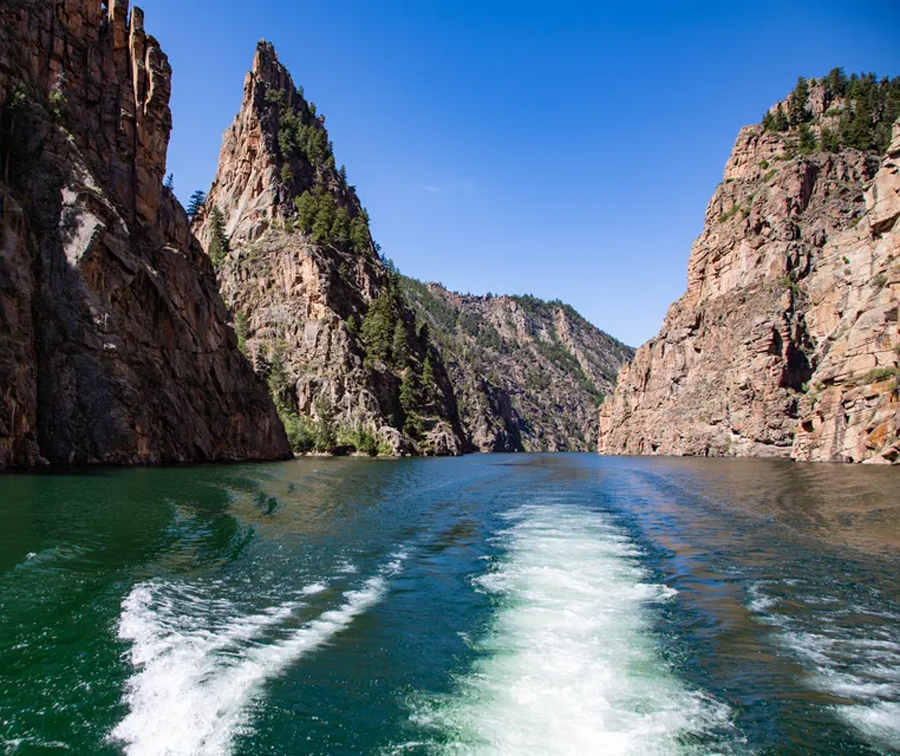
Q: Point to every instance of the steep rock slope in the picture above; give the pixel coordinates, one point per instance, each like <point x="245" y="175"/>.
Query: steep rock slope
<point x="785" y="343"/>
<point x="528" y="374"/>
<point x="114" y="345"/>
<point x="315" y="307"/>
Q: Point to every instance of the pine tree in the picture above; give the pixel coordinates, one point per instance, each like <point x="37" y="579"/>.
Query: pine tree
<point x="797" y="105"/>
<point x="829" y="140"/>
<point x="836" y="82"/>
<point x="808" y="142"/>
<point x="340" y="229"/>
<point x="307" y="208"/>
<point x="196" y="203"/>
<point x="780" y="122"/>
<point x="326" y="430"/>
<point x="409" y="401"/>
<point x="400" y="349"/>
<point x="219" y="245"/>
<point x="280" y="388"/>
<point x="359" y="235"/>
<point x="325" y="214"/>
<point x="429" y="385"/>
<point x="378" y="329"/>
<point x="170" y="182"/>
<point x="410" y="404"/>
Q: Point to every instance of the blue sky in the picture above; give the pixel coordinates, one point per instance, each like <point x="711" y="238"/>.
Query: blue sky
<point x="563" y="149"/>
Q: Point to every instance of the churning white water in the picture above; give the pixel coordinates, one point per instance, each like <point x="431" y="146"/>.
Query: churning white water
<point x="199" y="664"/>
<point x="856" y="662"/>
<point x="569" y="663"/>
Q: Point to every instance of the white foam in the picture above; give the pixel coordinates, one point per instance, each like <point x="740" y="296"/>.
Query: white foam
<point x="569" y="664"/>
<point x="879" y="723"/>
<point x="197" y="674"/>
<point x="847" y="663"/>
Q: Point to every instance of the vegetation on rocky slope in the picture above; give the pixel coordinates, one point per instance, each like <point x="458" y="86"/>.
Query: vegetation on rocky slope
<point x="838" y="112"/>
<point x="316" y="308"/>
<point x="527" y="374"/>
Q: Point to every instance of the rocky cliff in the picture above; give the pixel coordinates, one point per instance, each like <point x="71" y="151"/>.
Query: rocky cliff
<point x="528" y="375"/>
<point x="315" y="307"/>
<point x="114" y="346"/>
<point x="786" y="341"/>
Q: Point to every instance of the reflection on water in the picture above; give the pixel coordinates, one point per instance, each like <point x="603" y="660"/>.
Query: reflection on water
<point x="843" y="505"/>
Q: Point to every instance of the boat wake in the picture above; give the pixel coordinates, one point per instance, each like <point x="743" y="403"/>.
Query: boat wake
<point x="569" y="663"/>
<point x="200" y="664"/>
<point x="851" y="649"/>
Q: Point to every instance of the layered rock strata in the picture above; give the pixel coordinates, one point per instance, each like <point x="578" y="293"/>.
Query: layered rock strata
<point x="786" y="341"/>
<point x="302" y="277"/>
<point x="114" y="342"/>
<point x="528" y="375"/>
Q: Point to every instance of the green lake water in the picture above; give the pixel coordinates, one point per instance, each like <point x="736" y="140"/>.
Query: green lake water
<point x="495" y="604"/>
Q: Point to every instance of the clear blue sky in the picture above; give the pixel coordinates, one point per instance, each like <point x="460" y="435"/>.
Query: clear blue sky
<point x="564" y="149"/>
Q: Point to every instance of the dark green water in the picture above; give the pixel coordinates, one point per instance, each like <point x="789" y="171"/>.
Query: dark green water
<point x="513" y="605"/>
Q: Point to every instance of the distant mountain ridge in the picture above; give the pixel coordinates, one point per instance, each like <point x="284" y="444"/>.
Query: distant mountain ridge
<point x="528" y="374"/>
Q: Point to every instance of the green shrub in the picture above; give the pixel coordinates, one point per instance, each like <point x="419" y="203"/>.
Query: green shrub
<point x="274" y="97"/>
<point x="58" y="105"/>
<point x="301" y="432"/>
<point x="242" y="330"/>
<point x="879" y="374"/>
<point x="359" y="439"/>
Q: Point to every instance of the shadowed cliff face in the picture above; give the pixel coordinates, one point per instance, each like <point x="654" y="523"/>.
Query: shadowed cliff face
<point x="785" y="343"/>
<point x="527" y="374"/>
<point x="301" y="275"/>
<point x="114" y="346"/>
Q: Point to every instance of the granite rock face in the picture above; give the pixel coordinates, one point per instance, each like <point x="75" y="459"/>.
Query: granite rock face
<point x="785" y="343"/>
<point x="852" y="410"/>
<point x="301" y="283"/>
<point x="527" y="374"/>
<point x="114" y="344"/>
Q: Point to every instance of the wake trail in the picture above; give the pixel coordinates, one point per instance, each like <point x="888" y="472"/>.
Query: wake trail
<point x="199" y="668"/>
<point x="569" y="663"/>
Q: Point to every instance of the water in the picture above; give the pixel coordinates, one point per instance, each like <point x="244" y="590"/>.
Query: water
<point x="496" y="604"/>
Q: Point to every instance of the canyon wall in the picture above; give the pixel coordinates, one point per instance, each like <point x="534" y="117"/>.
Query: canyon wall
<point x="786" y="341"/>
<point x="114" y="342"/>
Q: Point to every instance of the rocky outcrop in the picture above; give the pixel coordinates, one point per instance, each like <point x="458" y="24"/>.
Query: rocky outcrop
<point x="114" y="345"/>
<point x="785" y="343"/>
<point x="528" y="374"/>
<point x="851" y="410"/>
<point x="317" y="310"/>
